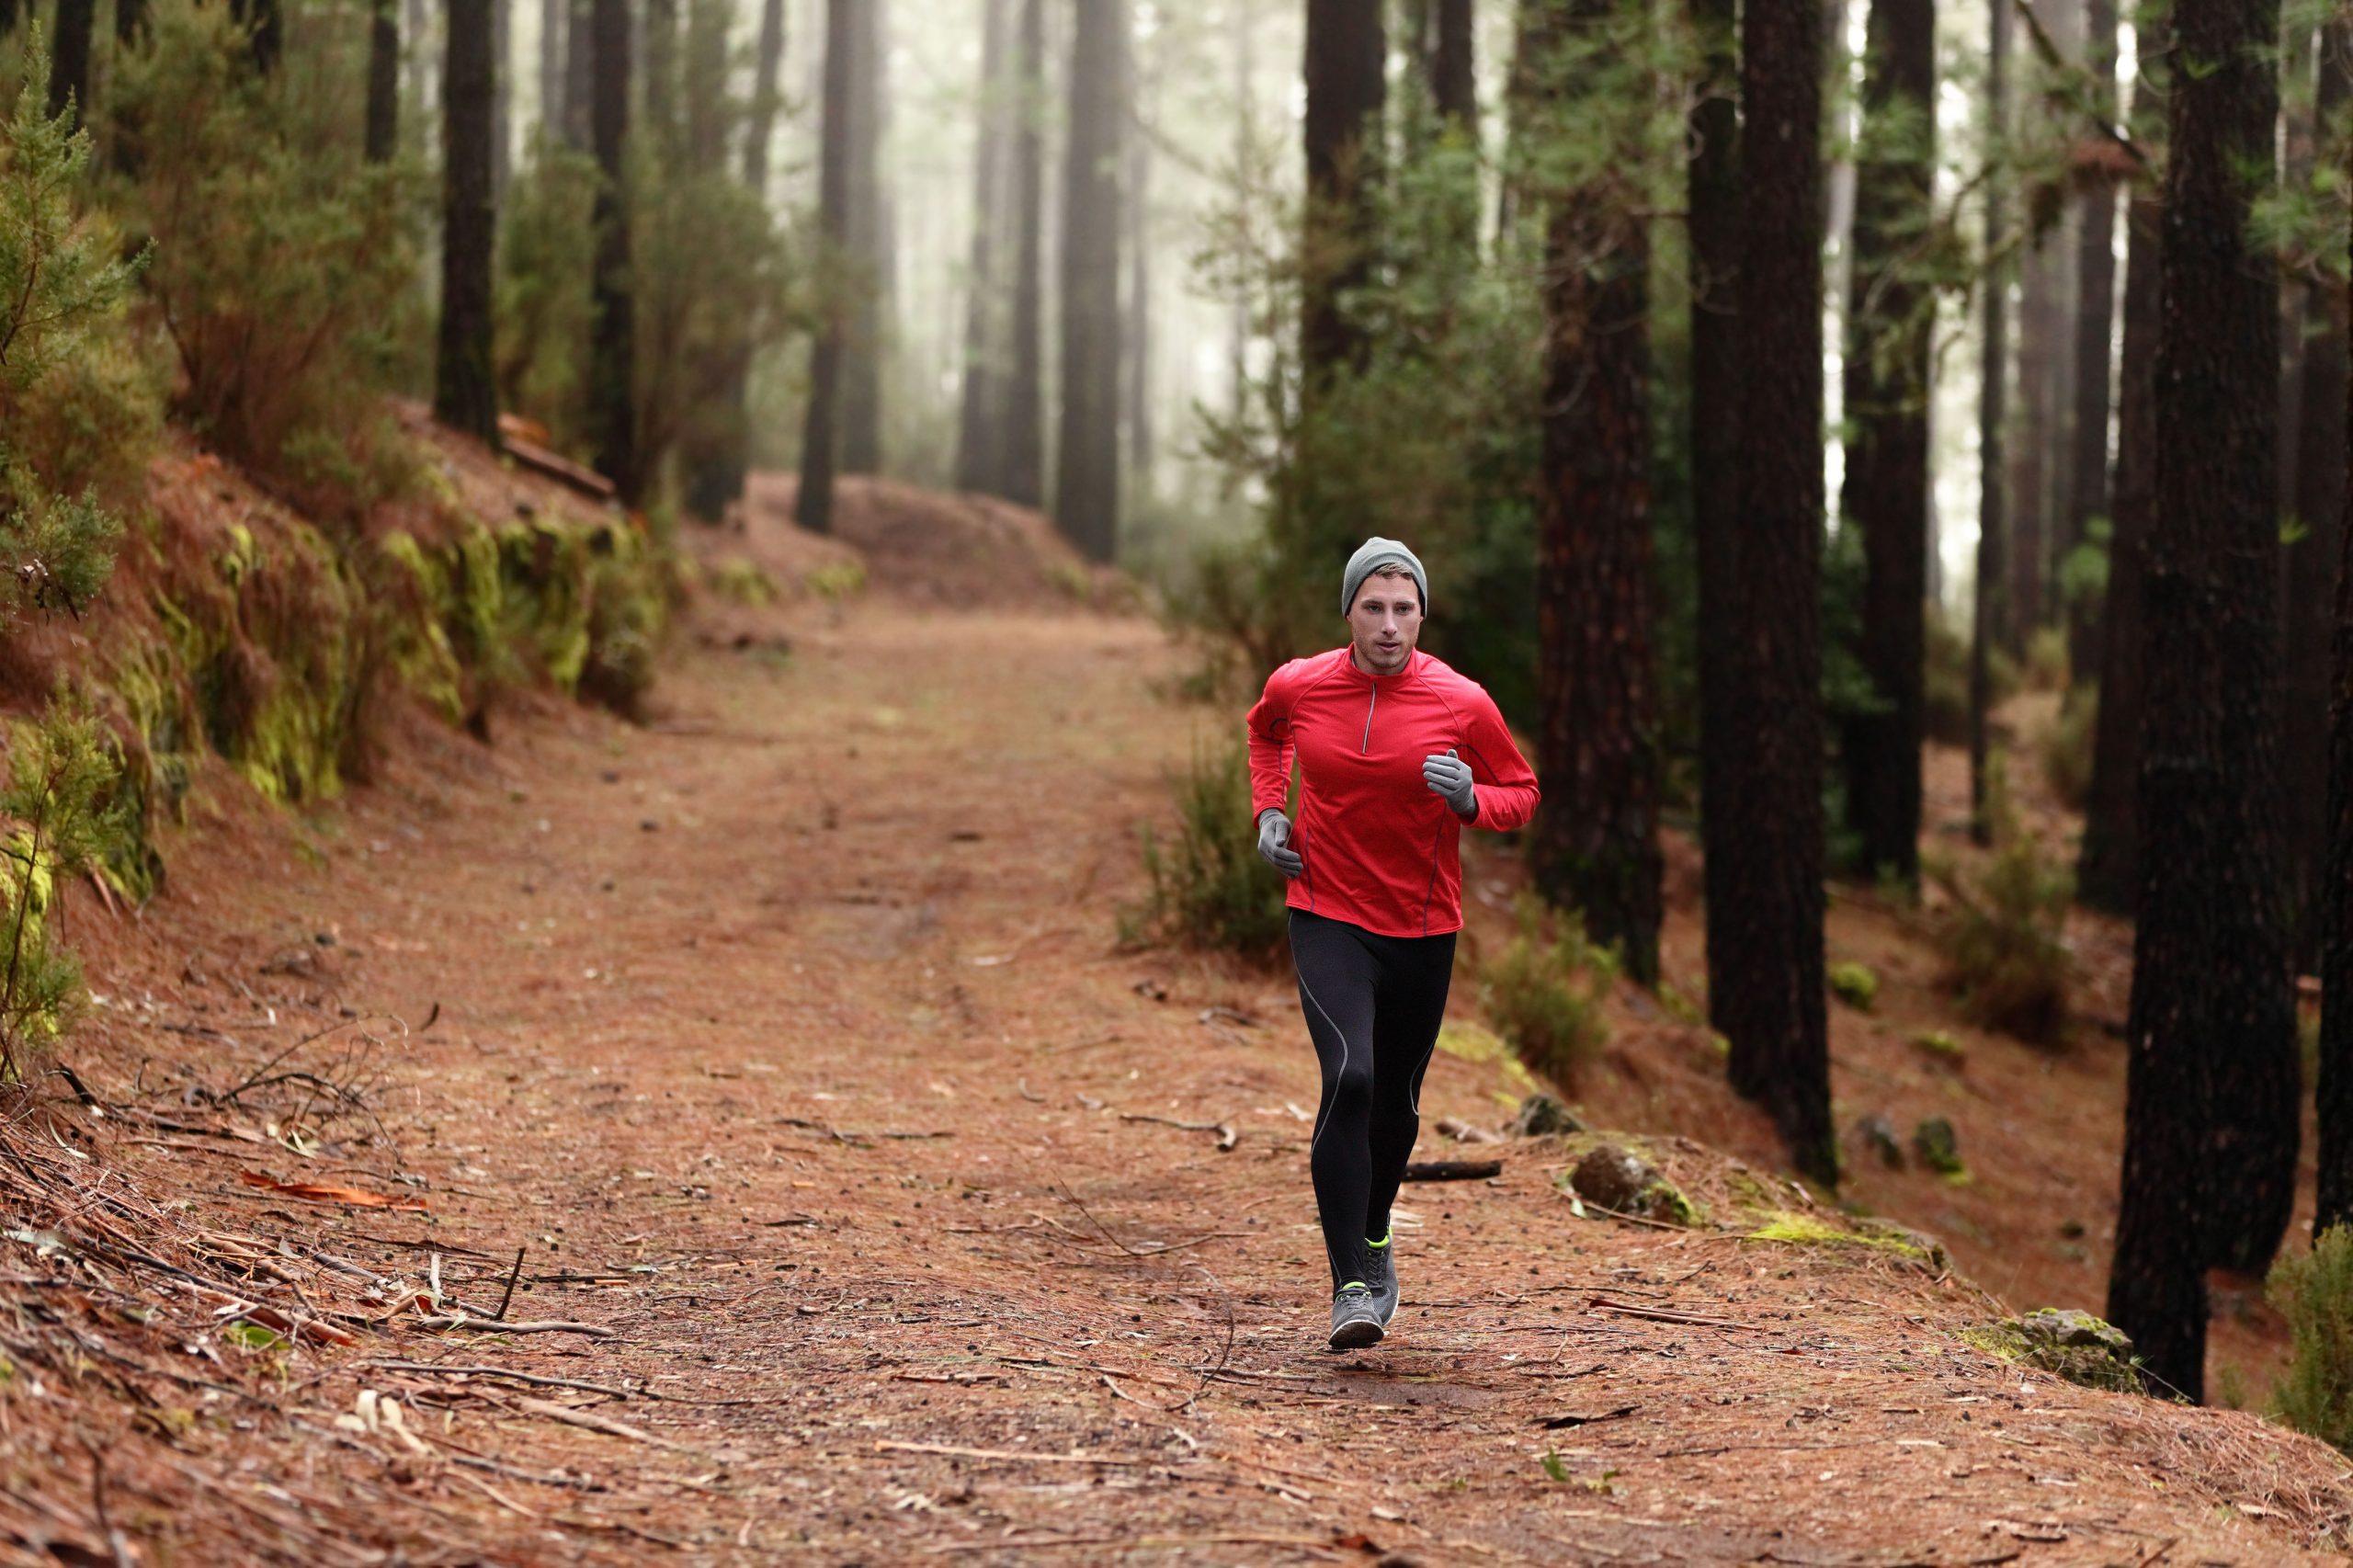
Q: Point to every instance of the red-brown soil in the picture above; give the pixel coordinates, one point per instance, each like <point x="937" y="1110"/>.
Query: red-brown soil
<point x="789" y="1039"/>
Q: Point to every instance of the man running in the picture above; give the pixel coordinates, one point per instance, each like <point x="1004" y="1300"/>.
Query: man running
<point x="1397" y="754"/>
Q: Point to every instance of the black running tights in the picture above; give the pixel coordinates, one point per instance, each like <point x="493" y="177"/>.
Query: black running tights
<point x="1373" y="1007"/>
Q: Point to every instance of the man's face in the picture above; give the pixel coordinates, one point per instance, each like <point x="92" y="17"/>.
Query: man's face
<point x="1385" y="622"/>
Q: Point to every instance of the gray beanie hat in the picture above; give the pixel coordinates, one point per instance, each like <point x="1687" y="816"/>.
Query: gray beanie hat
<point x="1374" y="554"/>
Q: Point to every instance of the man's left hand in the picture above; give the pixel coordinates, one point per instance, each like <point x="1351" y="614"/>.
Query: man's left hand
<point x="1450" y="778"/>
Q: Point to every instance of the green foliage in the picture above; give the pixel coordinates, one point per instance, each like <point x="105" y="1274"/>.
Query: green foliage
<point x="2005" y="943"/>
<point x="2068" y="746"/>
<point x="1209" y="889"/>
<point x="1945" y="716"/>
<point x="285" y="266"/>
<point x="1855" y="984"/>
<point x="1545" y="991"/>
<point x="2315" y="1293"/>
<point x="64" y="812"/>
<point x="2046" y="659"/>
<point x="544" y="308"/>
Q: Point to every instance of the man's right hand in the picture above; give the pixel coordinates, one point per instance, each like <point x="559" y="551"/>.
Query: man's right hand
<point x="1274" y="843"/>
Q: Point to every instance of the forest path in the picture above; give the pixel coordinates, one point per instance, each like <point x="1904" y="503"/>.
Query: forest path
<point x="790" y="1038"/>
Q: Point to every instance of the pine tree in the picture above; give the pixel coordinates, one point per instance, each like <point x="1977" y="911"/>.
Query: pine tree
<point x="383" y="81"/>
<point x="1087" y="483"/>
<point x="1991" y="597"/>
<point x="69" y="66"/>
<point x="1025" y="393"/>
<point x="612" y="350"/>
<point x="866" y="231"/>
<point x="465" y="395"/>
<point x="1347" y="50"/>
<point x="980" y="442"/>
<point x="2095" y="325"/>
<point x="814" y="505"/>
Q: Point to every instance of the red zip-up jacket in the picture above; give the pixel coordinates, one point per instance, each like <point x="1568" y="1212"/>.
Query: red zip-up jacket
<point x="1382" y="848"/>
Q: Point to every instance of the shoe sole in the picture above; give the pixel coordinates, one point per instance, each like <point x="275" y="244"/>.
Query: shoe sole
<point x="1357" y="1335"/>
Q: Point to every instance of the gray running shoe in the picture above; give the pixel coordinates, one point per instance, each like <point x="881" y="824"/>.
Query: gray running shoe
<point x="1356" y="1320"/>
<point x="1381" y="1275"/>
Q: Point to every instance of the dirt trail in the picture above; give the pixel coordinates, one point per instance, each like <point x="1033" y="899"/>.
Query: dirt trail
<point x="789" y="1039"/>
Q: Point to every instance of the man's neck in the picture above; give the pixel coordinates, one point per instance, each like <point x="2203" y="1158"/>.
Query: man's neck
<point x="1364" y="665"/>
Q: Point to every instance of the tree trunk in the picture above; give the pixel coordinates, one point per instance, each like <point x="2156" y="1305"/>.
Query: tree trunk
<point x="660" y="76"/>
<point x="2094" y="324"/>
<point x="814" y="506"/>
<point x="552" y="23"/>
<point x="1991" y="596"/>
<point x="1025" y="394"/>
<point x="2040" y="311"/>
<point x="1454" y="82"/>
<point x="579" y="76"/>
<point x="2335" y="1093"/>
<point x="130" y="20"/>
<point x="862" y="405"/>
<point x="1713" y="196"/>
<point x="980" y="441"/>
<point x="69" y="59"/>
<point x="2318" y="505"/>
<point x="2210" y="1111"/>
<point x="268" y="30"/>
<point x="465" y="396"/>
<point x="502" y="107"/>
<point x="1596" y="850"/>
<point x="1347" y="53"/>
<point x="2108" y="874"/>
<point x="1887" y="371"/>
<point x="1086" y="476"/>
<point x="1771" y="1002"/>
<point x="612" y="356"/>
<point x="759" y="127"/>
<point x="383" y="81"/>
<point x="1136" y="367"/>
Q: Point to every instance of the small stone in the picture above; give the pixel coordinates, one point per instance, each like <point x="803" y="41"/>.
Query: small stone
<point x="1878" y="1134"/>
<point x="1939" y="1146"/>
<point x="1541" y="1116"/>
<point x="1613" y="1177"/>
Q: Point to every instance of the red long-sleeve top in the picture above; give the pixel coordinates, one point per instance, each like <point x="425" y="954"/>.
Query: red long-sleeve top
<point x="1382" y="848"/>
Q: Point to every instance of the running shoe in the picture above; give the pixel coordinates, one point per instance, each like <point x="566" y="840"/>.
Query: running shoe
<point x="1356" y="1319"/>
<point x="1381" y="1276"/>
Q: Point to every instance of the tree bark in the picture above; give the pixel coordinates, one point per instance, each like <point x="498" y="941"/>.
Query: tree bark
<point x="1990" y="598"/>
<point x="502" y="136"/>
<point x="553" y="20"/>
<point x="814" y="505"/>
<point x="130" y="19"/>
<point x="2210" y="1125"/>
<point x="862" y="404"/>
<point x="2094" y="324"/>
<point x="1024" y="393"/>
<point x="1772" y="1004"/>
<point x="1454" y="82"/>
<point x="1086" y="479"/>
<point x="465" y="395"/>
<point x="1347" y="52"/>
<point x="69" y="59"/>
<point x="383" y="81"/>
<point x="612" y="358"/>
<point x="1136" y="365"/>
<point x="2334" y="1091"/>
<point x="2310" y="562"/>
<point x="1887" y="372"/>
<point x="2107" y="873"/>
<point x="1595" y="848"/>
<point x="2040" y="313"/>
<point x="579" y="76"/>
<point x="980" y="442"/>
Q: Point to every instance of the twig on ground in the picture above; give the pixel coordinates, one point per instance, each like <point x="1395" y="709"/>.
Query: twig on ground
<point x="951" y="1451"/>
<point x="493" y="1325"/>
<point x="593" y="1422"/>
<point x="1453" y="1170"/>
<point x="508" y="1294"/>
<point x="535" y="1380"/>
<point x="1655" y="1314"/>
<point x="1226" y="1136"/>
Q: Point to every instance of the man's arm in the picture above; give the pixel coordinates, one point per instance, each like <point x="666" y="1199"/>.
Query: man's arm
<point x="1506" y="785"/>
<point x="1271" y="744"/>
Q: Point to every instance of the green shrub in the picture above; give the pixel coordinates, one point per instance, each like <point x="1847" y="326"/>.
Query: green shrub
<point x="1855" y="984"/>
<point x="2003" y="945"/>
<point x="1544" y="992"/>
<point x="2068" y="746"/>
<point x="1946" y="715"/>
<point x="2314" y="1291"/>
<point x="1209" y="889"/>
<point x="2046" y="659"/>
<point x="545" y="305"/>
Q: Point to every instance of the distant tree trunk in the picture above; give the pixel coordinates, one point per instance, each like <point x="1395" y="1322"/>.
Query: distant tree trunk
<point x="1987" y="630"/>
<point x="268" y="30"/>
<point x="980" y="441"/>
<point x="1137" y="364"/>
<point x="552" y="23"/>
<point x="1454" y="82"/>
<point x="1347" y="52"/>
<point x="759" y="121"/>
<point x="1238" y="328"/>
<point x="814" y="506"/>
<point x="2319" y="506"/>
<point x="660" y="79"/>
<point x="1086" y="479"/>
<point x="2094" y="324"/>
<point x="612" y="356"/>
<point x="1025" y="393"/>
<point x="7" y="17"/>
<point x="2211" y="1115"/>
<point x="579" y="76"/>
<point x="1713" y="196"/>
<point x="502" y="107"/>
<point x="130" y="19"/>
<point x="465" y="395"/>
<point x="1772" y="1004"/>
<point x="69" y="58"/>
<point x="861" y="407"/>
<point x="1597" y="846"/>
<point x="2334" y="1091"/>
<point x="2108" y="874"/>
<point x="2040" y="312"/>
<point x="1888" y="330"/>
<point x="383" y="81"/>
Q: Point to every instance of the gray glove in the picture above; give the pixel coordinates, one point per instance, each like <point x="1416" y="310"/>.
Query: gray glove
<point x="1450" y="778"/>
<point x="1274" y="843"/>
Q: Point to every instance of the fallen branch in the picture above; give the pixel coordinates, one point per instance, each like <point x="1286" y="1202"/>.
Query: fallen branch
<point x="440" y="1370"/>
<point x="493" y="1325"/>
<point x="1656" y="1314"/>
<point x="1226" y="1136"/>
<point x="591" y="1421"/>
<point x="1453" y="1170"/>
<point x="952" y="1451"/>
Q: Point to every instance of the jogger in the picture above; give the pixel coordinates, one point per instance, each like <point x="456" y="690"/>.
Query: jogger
<point x="1397" y="754"/>
<point x="1373" y="1007"/>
